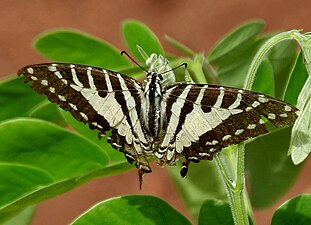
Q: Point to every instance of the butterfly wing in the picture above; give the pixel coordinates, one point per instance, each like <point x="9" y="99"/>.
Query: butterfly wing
<point x="198" y="120"/>
<point x="203" y="119"/>
<point x="101" y="98"/>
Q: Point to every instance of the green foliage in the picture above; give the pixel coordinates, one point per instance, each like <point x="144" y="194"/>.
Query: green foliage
<point x="45" y="159"/>
<point x="300" y="143"/>
<point x="194" y="190"/>
<point x="295" y="211"/>
<point x="48" y="165"/>
<point x="298" y="77"/>
<point x="12" y="105"/>
<point x="282" y="58"/>
<point x="136" y="33"/>
<point x="23" y="218"/>
<point x="235" y="43"/>
<point x="264" y="80"/>
<point x="271" y="172"/>
<point x="134" y="209"/>
<point x="233" y="54"/>
<point x="80" y="48"/>
<point x="215" y="212"/>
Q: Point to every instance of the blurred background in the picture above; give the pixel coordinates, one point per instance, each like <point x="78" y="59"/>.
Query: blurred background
<point x="198" y="24"/>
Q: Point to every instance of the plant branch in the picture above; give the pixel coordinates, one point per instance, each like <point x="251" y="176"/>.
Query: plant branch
<point x="234" y="186"/>
<point x="289" y="35"/>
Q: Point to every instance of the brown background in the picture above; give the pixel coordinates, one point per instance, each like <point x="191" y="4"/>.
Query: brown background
<point x="196" y="23"/>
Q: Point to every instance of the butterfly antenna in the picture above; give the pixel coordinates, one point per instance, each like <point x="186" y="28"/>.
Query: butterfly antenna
<point x="183" y="64"/>
<point x="124" y="52"/>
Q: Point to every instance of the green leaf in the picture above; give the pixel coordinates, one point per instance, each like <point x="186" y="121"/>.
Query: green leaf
<point x="49" y="147"/>
<point x="133" y="209"/>
<point x="195" y="188"/>
<point x="215" y="212"/>
<point x="17" y="99"/>
<point x="49" y="112"/>
<point x="298" y="77"/>
<point x="74" y="46"/>
<point x="264" y="79"/>
<point x="295" y="211"/>
<point x="114" y="155"/>
<point x="271" y="171"/>
<point x="55" y="188"/>
<point x="22" y="218"/>
<point x="180" y="46"/>
<point x="300" y="146"/>
<point x="233" y="73"/>
<point x="282" y="57"/>
<point x="40" y="160"/>
<point x="17" y="180"/>
<point x="235" y="43"/>
<point x="136" y="33"/>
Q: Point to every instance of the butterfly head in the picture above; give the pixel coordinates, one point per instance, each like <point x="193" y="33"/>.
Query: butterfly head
<point x="153" y="84"/>
<point x="154" y="77"/>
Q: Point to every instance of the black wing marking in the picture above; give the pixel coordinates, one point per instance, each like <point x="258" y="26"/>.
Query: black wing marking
<point x="203" y="119"/>
<point x="101" y="98"/>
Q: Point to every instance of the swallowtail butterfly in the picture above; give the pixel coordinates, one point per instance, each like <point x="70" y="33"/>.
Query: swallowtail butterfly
<point x="187" y="122"/>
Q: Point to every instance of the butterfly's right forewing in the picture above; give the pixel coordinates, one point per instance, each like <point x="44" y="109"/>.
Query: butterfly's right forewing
<point x="101" y="98"/>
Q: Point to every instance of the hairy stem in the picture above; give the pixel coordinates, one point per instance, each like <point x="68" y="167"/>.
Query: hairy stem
<point x="233" y="178"/>
<point x="235" y="186"/>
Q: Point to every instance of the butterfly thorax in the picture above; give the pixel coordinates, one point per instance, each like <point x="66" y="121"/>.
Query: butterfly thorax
<point x="152" y="104"/>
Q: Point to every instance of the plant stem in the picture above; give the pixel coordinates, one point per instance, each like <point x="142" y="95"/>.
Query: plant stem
<point x="234" y="186"/>
<point x="232" y="171"/>
<point x="197" y="67"/>
<point x="293" y="34"/>
<point x="210" y="75"/>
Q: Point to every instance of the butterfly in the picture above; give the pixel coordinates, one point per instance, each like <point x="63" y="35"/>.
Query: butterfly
<point x="186" y="122"/>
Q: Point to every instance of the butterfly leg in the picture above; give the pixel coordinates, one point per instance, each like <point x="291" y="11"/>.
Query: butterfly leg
<point x="185" y="165"/>
<point x="141" y="161"/>
<point x="184" y="168"/>
<point x="132" y="152"/>
<point x="101" y="135"/>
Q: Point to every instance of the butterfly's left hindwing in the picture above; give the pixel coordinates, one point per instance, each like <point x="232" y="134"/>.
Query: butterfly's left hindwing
<point x="203" y="119"/>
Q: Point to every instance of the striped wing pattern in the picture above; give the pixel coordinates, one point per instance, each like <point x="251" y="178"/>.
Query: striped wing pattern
<point x="203" y="119"/>
<point x="101" y="98"/>
<point x="195" y="120"/>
